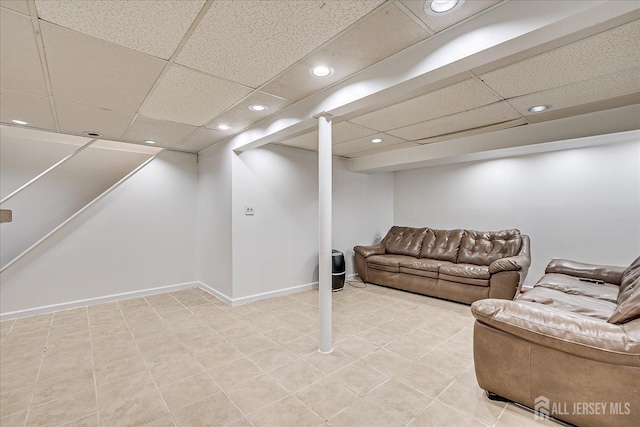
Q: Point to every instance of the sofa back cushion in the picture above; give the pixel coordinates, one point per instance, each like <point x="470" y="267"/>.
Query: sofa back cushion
<point x="631" y="274"/>
<point x="441" y="244"/>
<point x="404" y="241"/>
<point x="628" y="304"/>
<point x="484" y="247"/>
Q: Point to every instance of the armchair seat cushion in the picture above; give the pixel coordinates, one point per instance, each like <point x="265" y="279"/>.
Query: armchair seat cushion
<point x="570" y="303"/>
<point x="574" y="286"/>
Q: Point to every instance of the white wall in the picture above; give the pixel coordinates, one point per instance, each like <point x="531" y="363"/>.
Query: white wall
<point x="213" y="239"/>
<point x="581" y="204"/>
<point x="49" y="201"/>
<point x="277" y="248"/>
<point x="139" y="236"/>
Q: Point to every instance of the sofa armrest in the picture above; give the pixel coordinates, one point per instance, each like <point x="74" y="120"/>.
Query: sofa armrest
<point x="367" y="251"/>
<point x="607" y="273"/>
<point x="555" y="328"/>
<point x="512" y="263"/>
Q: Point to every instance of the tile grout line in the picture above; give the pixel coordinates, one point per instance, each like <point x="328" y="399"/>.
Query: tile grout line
<point x="93" y="362"/>
<point x="35" y="387"/>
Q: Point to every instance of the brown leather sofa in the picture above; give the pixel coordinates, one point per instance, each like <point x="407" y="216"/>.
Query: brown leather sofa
<point x="460" y="265"/>
<point x="568" y="347"/>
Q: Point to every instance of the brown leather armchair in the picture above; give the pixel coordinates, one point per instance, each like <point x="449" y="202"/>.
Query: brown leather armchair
<point x="569" y="346"/>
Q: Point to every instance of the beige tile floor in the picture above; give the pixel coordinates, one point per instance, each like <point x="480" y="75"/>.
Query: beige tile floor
<point x="184" y="358"/>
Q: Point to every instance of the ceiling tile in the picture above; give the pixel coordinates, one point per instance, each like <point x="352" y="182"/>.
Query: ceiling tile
<point x="474" y="131"/>
<point x="440" y="22"/>
<point x="452" y="99"/>
<point x="155" y="28"/>
<point x="240" y="116"/>
<point x="78" y="118"/>
<point x="35" y="110"/>
<point x="17" y="5"/>
<point x="90" y="71"/>
<point x="381" y="34"/>
<point x="365" y="144"/>
<point x="594" y="56"/>
<point x="586" y="91"/>
<point x="200" y="140"/>
<point x="379" y="150"/>
<point x="483" y="116"/>
<point x="273" y="34"/>
<point x="341" y="132"/>
<point x="188" y="96"/>
<point x="165" y="134"/>
<point x="20" y="67"/>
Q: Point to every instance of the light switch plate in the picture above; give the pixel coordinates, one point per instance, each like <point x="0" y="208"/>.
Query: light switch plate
<point x="249" y="210"/>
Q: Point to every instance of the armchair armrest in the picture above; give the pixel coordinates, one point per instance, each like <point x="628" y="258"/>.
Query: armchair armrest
<point x="556" y="328"/>
<point x="512" y="263"/>
<point x="367" y="251"/>
<point x="607" y="273"/>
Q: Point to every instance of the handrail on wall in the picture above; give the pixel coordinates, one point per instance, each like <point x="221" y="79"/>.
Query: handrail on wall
<point x="35" y="179"/>
<point x="84" y="208"/>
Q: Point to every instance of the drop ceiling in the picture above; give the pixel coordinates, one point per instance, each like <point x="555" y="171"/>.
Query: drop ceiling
<point x="173" y="71"/>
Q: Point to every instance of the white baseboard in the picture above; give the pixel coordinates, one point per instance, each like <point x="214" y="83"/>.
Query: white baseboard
<point x="264" y="295"/>
<point x="134" y="294"/>
<point x="93" y="301"/>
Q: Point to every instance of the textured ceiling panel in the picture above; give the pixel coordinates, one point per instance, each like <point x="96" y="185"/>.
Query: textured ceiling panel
<point x="364" y="144"/>
<point x="35" y="110"/>
<point x="342" y="132"/>
<point x="440" y="22"/>
<point x="449" y="100"/>
<point x="165" y="134"/>
<point x="379" y="150"/>
<point x="604" y="53"/>
<point x="200" y="140"/>
<point x="383" y="33"/>
<point x="483" y="116"/>
<point x="20" y="67"/>
<point x="90" y="71"/>
<point x="155" y="28"/>
<point x="77" y="118"/>
<point x="17" y="5"/>
<point x="250" y="42"/>
<point x="240" y="116"/>
<point x="188" y="96"/>
<point x="586" y="91"/>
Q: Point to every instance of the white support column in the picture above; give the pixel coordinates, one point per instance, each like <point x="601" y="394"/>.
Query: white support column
<point x="324" y="262"/>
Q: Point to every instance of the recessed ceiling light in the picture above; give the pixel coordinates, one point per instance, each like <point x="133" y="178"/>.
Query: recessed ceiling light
<point x="539" y="108"/>
<point x="376" y="140"/>
<point x="321" y="71"/>
<point x="440" y="7"/>
<point x="223" y="127"/>
<point x="92" y="134"/>
<point x="19" y="122"/>
<point x="148" y="141"/>
<point x="258" y="107"/>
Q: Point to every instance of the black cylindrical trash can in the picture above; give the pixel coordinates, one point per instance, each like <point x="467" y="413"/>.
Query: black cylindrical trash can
<point x="338" y="270"/>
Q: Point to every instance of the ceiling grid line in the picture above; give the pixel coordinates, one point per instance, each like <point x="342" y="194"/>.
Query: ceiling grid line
<point x="170" y="62"/>
<point x="33" y="15"/>
<point x="490" y="89"/>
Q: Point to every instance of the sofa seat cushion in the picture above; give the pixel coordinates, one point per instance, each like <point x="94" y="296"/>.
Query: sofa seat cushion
<point x="576" y="304"/>
<point x="390" y="263"/>
<point x="574" y="286"/>
<point x="468" y="274"/>
<point x="422" y="267"/>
